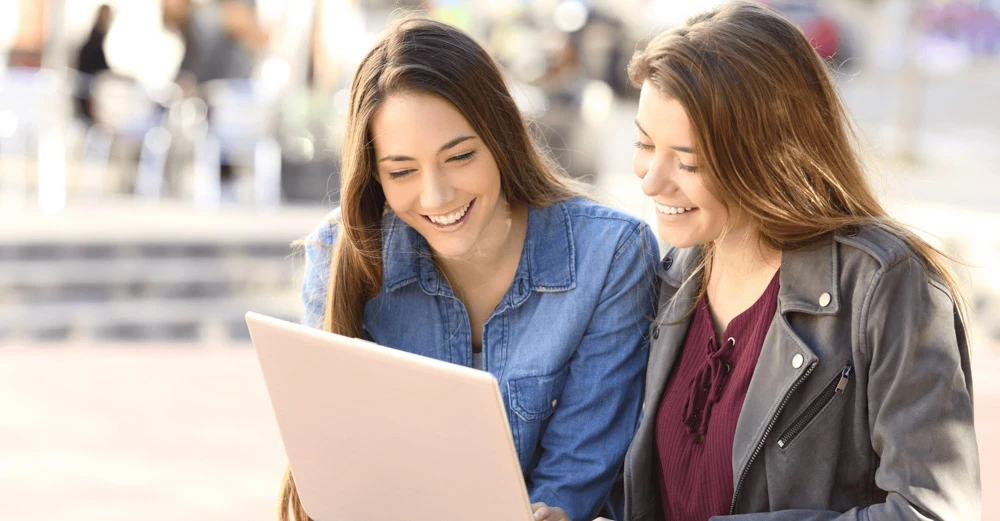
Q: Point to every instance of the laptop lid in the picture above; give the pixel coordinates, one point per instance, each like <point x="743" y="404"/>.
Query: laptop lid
<point x="374" y="433"/>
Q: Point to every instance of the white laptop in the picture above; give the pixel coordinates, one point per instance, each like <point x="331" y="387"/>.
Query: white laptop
<point x="377" y="434"/>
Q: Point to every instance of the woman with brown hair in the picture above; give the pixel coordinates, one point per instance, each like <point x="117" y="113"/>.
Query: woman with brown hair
<point x="809" y="360"/>
<point x="455" y="240"/>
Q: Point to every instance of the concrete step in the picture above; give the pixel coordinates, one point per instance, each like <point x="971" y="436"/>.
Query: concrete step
<point x="74" y="279"/>
<point x="194" y="319"/>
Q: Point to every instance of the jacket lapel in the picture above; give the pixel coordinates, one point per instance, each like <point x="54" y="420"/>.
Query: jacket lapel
<point x="678" y="294"/>
<point x="672" y="325"/>
<point x="667" y="335"/>
<point x="785" y="361"/>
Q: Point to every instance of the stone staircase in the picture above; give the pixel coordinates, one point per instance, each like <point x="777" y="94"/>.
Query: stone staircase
<point x="190" y="286"/>
<point x="103" y="292"/>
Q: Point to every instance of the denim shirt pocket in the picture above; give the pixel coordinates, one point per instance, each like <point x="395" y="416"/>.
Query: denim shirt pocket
<point x="533" y="400"/>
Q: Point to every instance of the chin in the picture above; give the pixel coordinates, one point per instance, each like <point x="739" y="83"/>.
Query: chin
<point x="454" y="244"/>
<point x="452" y="249"/>
<point x="678" y="240"/>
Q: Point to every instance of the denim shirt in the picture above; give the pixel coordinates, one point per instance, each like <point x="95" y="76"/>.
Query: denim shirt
<point x="568" y="342"/>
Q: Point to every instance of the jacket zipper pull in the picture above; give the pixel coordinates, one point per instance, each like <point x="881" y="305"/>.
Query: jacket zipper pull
<point x="845" y="375"/>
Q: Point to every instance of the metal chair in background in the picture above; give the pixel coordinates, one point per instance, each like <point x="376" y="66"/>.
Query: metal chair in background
<point x="241" y="131"/>
<point x="128" y="115"/>
<point x="34" y="108"/>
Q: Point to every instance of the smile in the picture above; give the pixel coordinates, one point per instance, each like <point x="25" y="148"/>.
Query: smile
<point x="671" y="210"/>
<point x="450" y="218"/>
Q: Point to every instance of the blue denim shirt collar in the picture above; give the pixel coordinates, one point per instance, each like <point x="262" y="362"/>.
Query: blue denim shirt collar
<point x="548" y="260"/>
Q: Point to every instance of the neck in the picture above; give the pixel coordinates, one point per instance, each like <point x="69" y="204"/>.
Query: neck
<point x="498" y="248"/>
<point x="739" y="260"/>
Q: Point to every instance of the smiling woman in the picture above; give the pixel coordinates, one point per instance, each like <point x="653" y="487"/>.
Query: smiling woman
<point x="443" y="181"/>
<point x="455" y="240"/>
<point x="689" y="212"/>
<point x="813" y="362"/>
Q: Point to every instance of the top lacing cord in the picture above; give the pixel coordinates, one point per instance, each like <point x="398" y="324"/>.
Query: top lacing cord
<point x="705" y="388"/>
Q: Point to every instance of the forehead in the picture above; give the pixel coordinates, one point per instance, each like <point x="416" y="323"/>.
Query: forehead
<point x="411" y="123"/>
<point x="663" y="118"/>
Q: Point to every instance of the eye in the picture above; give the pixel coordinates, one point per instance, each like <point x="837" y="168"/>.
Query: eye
<point x="401" y="173"/>
<point x="463" y="157"/>
<point x="642" y="146"/>
<point x="687" y="168"/>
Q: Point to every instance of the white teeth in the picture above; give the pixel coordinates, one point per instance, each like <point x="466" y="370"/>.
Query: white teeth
<point x="450" y="218"/>
<point x="670" y="210"/>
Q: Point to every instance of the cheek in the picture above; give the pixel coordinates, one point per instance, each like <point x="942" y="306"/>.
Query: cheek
<point x="716" y="215"/>
<point x="639" y="165"/>
<point x="398" y="196"/>
<point x="487" y="179"/>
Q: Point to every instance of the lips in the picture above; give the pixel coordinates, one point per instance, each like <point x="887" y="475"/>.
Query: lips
<point x="450" y="218"/>
<point x="673" y="210"/>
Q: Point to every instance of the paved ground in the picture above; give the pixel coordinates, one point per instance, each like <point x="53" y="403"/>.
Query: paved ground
<point x="136" y="432"/>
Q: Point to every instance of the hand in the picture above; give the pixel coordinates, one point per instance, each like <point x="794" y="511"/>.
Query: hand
<point x="544" y="512"/>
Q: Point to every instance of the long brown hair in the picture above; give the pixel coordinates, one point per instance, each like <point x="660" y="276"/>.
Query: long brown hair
<point x="417" y="55"/>
<point x="774" y="141"/>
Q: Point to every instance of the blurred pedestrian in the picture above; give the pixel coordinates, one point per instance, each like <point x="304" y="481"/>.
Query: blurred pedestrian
<point x="91" y="60"/>
<point x="221" y="39"/>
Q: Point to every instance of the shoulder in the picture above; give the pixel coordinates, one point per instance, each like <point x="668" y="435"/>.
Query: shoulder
<point x="593" y="223"/>
<point x="325" y="232"/>
<point x="876" y="244"/>
<point x="580" y="239"/>
<point x="875" y="250"/>
<point x="582" y="210"/>
<point x="879" y="257"/>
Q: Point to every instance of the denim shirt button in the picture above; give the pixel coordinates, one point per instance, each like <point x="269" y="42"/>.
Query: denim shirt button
<point x="555" y="402"/>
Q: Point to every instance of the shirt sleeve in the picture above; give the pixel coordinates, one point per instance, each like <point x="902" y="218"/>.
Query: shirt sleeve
<point x="584" y="444"/>
<point x="315" y="282"/>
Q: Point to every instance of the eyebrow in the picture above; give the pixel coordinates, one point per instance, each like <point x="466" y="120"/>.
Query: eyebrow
<point x="451" y="144"/>
<point x="687" y="150"/>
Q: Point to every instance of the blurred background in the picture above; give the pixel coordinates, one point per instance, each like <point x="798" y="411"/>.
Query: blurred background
<point x="159" y="157"/>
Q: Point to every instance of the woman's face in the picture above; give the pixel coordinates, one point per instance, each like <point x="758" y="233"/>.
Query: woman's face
<point x="437" y="174"/>
<point x="687" y="213"/>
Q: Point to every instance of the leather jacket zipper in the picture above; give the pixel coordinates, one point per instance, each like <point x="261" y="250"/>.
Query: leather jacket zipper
<point x="837" y="386"/>
<point x="763" y="439"/>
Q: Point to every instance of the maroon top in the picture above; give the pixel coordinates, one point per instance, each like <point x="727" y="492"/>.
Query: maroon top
<point x="696" y="420"/>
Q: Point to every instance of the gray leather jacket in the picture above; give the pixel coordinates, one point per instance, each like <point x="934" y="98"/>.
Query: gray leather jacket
<point x="860" y="407"/>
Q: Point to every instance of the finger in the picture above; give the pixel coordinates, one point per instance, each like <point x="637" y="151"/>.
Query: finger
<point x="542" y="513"/>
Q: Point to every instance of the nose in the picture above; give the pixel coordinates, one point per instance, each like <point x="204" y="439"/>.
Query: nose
<point x="436" y="191"/>
<point x="655" y="174"/>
